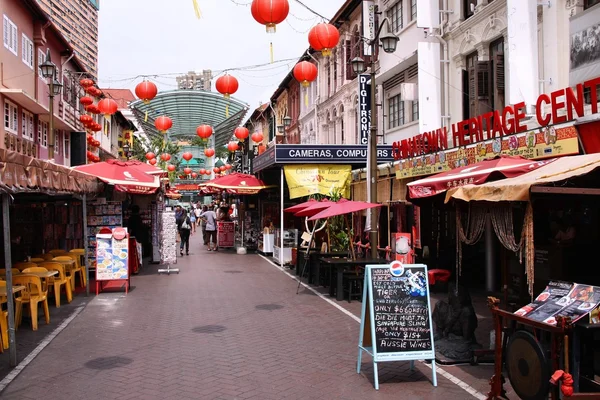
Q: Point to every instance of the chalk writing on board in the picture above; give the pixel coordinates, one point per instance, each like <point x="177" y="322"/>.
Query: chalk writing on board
<point x="401" y="311"/>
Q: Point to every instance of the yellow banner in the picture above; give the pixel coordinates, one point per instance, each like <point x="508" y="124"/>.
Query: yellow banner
<point x="546" y="143"/>
<point x="306" y="179"/>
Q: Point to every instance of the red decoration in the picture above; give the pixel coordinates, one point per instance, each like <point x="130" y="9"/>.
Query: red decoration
<point x="187" y="156"/>
<point x="270" y="12"/>
<point x="209" y="152"/>
<point x="171" y="167"/>
<point x="86" y="101"/>
<point x="150" y="155"/>
<point x="194" y="175"/>
<point x="107" y="107"/>
<point x="204" y="131"/>
<point x="227" y="166"/>
<point x="153" y="161"/>
<point x="96" y="127"/>
<point x="146" y="91"/>
<point x="86" y="83"/>
<point x="241" y="133"/>
<point x="165" y="156"/>
<point x="163" y="124"/>
<point x="324" y="37"/>
<point x="305" y="72"/>
<point x="92" y="108"/>
<point x="187" y="170"/>
<point x="257" y="137"/>
<point x="227" y="85"/>
<point x="216" y="170"/>
<point x="86" y="119"/>
<point x="223" y="168"/>
<point x="232" y="146"/>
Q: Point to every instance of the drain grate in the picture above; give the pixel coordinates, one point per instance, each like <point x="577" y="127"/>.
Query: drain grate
<point x="269" y="307"/>
<point x="209" y="329"/>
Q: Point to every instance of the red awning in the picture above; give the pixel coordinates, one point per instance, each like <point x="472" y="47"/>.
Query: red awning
<point x="126" y="176"/>
<point x="484" y="171"/>
<point x="237" y="183"/>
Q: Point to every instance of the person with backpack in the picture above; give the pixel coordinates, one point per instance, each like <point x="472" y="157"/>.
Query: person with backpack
<point x="184" y="225"/>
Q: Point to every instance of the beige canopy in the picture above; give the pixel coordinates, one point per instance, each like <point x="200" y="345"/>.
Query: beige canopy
<point x="518" y="188"/>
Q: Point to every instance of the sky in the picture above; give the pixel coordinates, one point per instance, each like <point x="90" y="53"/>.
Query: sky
<point x="162" y="39"/>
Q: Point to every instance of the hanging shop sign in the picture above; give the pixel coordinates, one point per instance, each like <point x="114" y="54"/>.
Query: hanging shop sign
<point x="555" y="108"/>
<point x="305" y="180"/>
<point x="364" y="106"/>
<point x="550" y="142"/>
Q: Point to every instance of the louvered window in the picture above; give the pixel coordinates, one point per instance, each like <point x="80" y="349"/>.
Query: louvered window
<point x="498" y="77"/>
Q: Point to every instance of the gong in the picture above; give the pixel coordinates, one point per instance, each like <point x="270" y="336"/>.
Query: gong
<point x="527" y="366"/>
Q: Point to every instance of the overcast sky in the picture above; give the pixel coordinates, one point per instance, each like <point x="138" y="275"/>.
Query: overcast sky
<point x="165" y="38"/>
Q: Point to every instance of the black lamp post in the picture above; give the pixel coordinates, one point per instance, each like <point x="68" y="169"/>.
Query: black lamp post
<point x="389" y="42"/>
<point x="48" y="69"/>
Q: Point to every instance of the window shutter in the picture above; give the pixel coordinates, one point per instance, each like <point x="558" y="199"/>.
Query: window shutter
<point x="472" y="91"/>
<point x="483" y="80"/>
<point x="15" y="46"/>
<point x="6" y="34"/>
<point x="499" y="78"/>
<point x="349" y="73"/>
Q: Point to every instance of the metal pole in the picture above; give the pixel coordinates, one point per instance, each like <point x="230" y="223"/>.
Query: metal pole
<point x="12" y="343"/>
<point x="51" y="121"/>
<point x="372" y="174"/>
<point x="85" y="247"/>
<point x="281" y="222"/>
<point x="490" y="256"/>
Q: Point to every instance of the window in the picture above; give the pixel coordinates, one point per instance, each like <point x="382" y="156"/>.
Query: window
<point x="335" y="69"/>
<point x="27" y="126"/>
<point x="395" y="111"/>
<point x="413" y="10"/>
<point x="41" y="60"/>
<point x="66" y="89"/>
<point x="11" y="117"/>
<point x="469" y="8"/>
<point x="328" y="68"/>
<point x="590" y="3"/>
<point x="476" y="85"/>
<point x="10" y="35"/>
<point x="43" y="133"/>
<point x="394" y="14"/>
<point x="67" y="143"/>
<point x="57" y="139"/>
<point x="27" y="51"/>
<point x="415" y="110"/>
<point x="497" y="74"/>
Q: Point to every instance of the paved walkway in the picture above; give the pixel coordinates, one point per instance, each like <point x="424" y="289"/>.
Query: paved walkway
<point x="227" y="327"/>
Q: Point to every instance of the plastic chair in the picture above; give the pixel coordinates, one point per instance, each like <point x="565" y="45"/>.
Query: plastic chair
<point x="71" y="270"/>
<point x="57" y="252"/>
<point x="58" y="281"/>
<point x="14" y="272"/>
<point x="37" y="260"/>
<point x="33" y="294"/>
<point x="3" y="325"/>
<point x="37" y="269"/>
<point x="23" y="265"/>
<point x="45" y="256"/>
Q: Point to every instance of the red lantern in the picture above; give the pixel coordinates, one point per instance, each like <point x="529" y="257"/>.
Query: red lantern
<point x="96" y="143"/>
<point x="232" y="146"/>
<point x="227" y="85"/>
<point x="257" y="137"/>
<point x="90" y="90"/>
<point x="241" y="133"/>
<point x="171" y="167"/>
<point x="86" y="83"/>
<point x="153" y="161"/>
<point x="324" y="37"/>
<point x="97" y="92"/>
<point x="227" y="166"/>
<point x="194" y="175"/>
<point x="163" y="124"/>
<point x="216" y="170"/>
<point x="187" y="156"/>
<point x="202" y="171"/>
<point x="208" y="172"/>
<point x="107" y="107"/>
<point x="86" y="119"/>
<point x="209" y="152"/>
<point x="165" y="156"/>
<point x="305" y="72"/>
<point x="86" y="101"/>
<point x="96" y="127"/>
<point x="204" y="131"/>
<point x="187" y="170"/>
<point x="150" y="155"/>
<point x="92" y="108"/>
<point x="223" y="168"/>
<point x="146" y="91"/>
<point x="270" y="12"/>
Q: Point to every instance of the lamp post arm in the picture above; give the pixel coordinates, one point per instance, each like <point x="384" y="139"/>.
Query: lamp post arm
<point x="384" y="22"/>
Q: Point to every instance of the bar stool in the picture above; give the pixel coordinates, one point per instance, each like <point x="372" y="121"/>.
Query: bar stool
<point x="353" y="285"/>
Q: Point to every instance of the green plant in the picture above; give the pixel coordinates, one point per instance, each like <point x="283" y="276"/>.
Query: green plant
<point x="339" y="232"/>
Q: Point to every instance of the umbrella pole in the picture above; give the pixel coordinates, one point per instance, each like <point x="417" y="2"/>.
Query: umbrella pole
<point x="307" y="258"/>
<point x="328" y="237"/>
<point x="351" y="241"/>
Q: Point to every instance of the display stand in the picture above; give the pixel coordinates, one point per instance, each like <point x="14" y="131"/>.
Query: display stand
<point x="101" y="214"/>
<point x="168" y="250"/>
<point x="397" y="294"/>
<point x="225" y="234"/>
<point x="156" y="230"/>
<point x="112" y="257"/>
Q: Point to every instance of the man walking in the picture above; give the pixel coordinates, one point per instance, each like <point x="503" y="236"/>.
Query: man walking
<point x="211" y="228"/>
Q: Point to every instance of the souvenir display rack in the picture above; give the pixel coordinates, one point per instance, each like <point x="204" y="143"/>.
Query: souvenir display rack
<point x="156" y="210"/>
<point x="101" y="214"/>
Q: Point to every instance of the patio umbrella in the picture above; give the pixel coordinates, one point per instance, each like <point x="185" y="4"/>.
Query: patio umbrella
<point x="237" y="183"/>
<point x="126" y="176"/>
<point x="314" y="208"/>
<point x="484" y="171"/>
<point x="173" y="194"/>
<point x="147" y="168"/>
<point x="342" y="207"/>
<point x="300" y="206"/>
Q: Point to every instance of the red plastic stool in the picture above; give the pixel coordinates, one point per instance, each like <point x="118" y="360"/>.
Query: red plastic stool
<point x="441" y="275"/>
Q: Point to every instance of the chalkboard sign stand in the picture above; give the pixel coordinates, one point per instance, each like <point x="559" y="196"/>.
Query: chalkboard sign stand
<point x="368" y="339"/>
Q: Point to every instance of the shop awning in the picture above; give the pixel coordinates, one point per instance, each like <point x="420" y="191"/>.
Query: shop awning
<point x="126" y="176"/>
<point x="520" y="187"/>
<point x="20" y="173"/>
<point x="478" y="173"/>
<point x="237" y="183"/>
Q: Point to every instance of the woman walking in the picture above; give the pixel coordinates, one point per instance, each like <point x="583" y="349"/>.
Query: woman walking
<point x="184" y="225"/>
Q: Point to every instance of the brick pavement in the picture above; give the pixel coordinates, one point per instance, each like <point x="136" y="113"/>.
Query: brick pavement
<point x="227" y="327"/>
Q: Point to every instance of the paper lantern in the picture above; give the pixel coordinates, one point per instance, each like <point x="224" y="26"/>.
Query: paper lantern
<point x="92" y="108"/>
<point x="209" y="152"/>
<point x="227" y="85"/>
<point x="163" y="124"/>
<point x="146" y="91"/>
<point x="227" y="166"/>
<point x="86" y="83"/>
<point x="153" y="161"/>
<point x="270" y="12"/>
<point x="232" y="146"/>
<point x="305" y="72"/>
<point x="257" y="137"/>
<point x="187" y="170"/>
<point x="86" y="119"/>
<point x="165" y="156"/>
<point x="194" y="175"/>
<point x="204" y="131"/>
<point x="107" y="107"/>
<point x="323" y="37"/>
<point x="86" y="101"/>
<point x="150" y="155"/>
<point x="96" y="127"/>
<point x="202" y="171"/>
<point x="223" y="168"/>
<point x="241" y="133"/>
<point x="187" y="156"/>
<point x="216" y="170"/>
<point x="171" y="168"/>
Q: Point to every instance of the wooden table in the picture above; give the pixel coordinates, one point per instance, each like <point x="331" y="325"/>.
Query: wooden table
<point x="42" y="275"/>
<point x="15" y="289"/>
<point x="340" y="264"/>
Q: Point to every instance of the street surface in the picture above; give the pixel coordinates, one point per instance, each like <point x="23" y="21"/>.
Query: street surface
<point x="227" y="327"/>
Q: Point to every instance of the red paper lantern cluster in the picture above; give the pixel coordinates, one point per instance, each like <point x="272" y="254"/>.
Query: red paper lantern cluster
<point x="163" y="124"/>
<point x="92" y="142"/>
<point x="257" y="137"/>
<point x="146" y="91"/>
<point x="241" y="133"/>
<point x="305" y="73"/>
<point x="270" y="12"/>
<point x="92" y="157"/>
<point x="204" y="131"/>
<point x="323" y="37"/>
<point x="227" y="85"/>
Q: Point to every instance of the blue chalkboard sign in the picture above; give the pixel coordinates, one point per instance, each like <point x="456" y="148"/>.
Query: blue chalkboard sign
<point x="396" y="322"/>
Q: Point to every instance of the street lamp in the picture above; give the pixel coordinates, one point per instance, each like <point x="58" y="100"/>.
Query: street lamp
<point x="389" y="42"/>
<point x="287" y="121"/>
<point x="48" y="69"/>
<point x="280" y="129"/>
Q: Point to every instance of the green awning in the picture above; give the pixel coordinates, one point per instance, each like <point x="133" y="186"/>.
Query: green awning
<point x="190" y="108"/>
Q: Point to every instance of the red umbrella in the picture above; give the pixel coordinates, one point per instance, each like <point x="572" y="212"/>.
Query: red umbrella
<point x="238" y="183"/>
<point x="314" y="208"/>
<point x="476" y="174"/>
<point x="300" y="206"/>
<point x="125" y="175"/>
<point x="341" y="207"/>
<point x="147" y="168"/>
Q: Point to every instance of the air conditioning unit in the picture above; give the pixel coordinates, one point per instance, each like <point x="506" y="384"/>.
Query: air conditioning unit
<point x="409" y="91"/>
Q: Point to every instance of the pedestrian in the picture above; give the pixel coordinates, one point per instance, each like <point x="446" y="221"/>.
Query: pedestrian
<point x="184" y="225"/>
<point x="197" y="211"/>
<point x="193" y="220"/>
<point x="211" y="228"/>
<point x="203" y="223"/>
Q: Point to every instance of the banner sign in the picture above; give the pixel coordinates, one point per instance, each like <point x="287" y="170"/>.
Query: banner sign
<point x="368" y="18"/>
<point x="364" y="107"/>
<point x="304" y="180"/>
<point x="550" y="142"/>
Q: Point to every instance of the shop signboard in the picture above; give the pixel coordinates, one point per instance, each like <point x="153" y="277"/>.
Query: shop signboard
<point x="364" y="107"/>
<point x="225" y="234"/>
<point x="396" y="320"/>
<point x="112" y="257"/>
<point x="574" y="300"/>
<point x="307" y="179"/>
